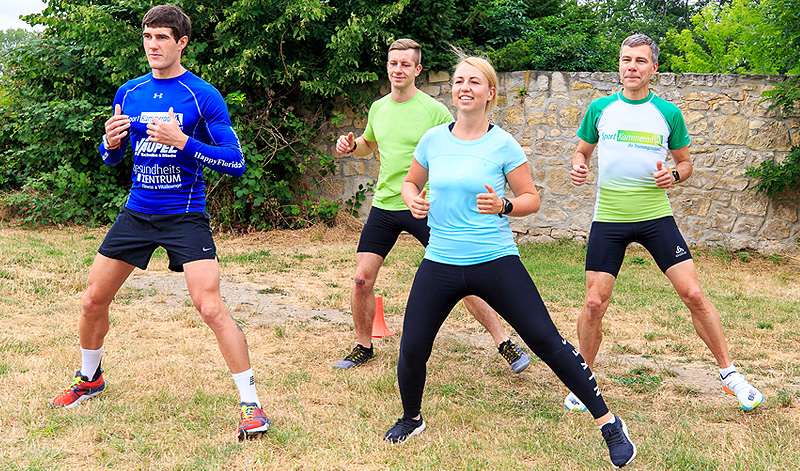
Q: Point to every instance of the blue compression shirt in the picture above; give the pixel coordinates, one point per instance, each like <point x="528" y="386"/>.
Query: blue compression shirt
<point x="457" y="172"/>
<point x="167" y="180"/>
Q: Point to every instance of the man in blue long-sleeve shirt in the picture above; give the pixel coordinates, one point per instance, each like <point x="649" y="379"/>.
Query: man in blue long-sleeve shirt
<point x="176" y="125"/>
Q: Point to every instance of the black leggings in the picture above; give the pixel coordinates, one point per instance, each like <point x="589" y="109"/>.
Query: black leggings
<point x="507" y="287"/>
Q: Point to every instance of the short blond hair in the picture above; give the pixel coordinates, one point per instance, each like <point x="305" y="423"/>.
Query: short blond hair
<point x="486" y="68"/>
<point x="405" y="44"/>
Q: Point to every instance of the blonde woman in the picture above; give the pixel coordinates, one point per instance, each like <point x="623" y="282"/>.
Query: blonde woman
<point x="472" y="252"/>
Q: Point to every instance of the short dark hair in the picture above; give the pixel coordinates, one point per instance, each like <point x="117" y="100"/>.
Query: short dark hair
<point x="635" y="40"/>
<point x="168" y="16"/>
<point x="404" y="44"/>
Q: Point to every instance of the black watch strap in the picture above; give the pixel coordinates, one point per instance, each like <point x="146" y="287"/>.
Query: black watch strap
<point x="508" y="206"/>
<point x="676" y="175"/>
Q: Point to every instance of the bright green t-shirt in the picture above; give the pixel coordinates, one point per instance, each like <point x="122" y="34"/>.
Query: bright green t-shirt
<point x="631" y="136"/>
<point x="397" y="127"/>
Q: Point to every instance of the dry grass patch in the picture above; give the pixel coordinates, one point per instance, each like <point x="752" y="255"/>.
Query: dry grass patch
<point x="170" y="402"/>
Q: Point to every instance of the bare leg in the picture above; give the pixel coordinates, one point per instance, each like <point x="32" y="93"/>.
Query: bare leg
<point x="202" y="279"/>
<point x="105" y="278"/>
<point x="362" y="300"/>
<point x="487" y="318"/>
<point x="599" y="286"/>
<point x="704" y="315"/>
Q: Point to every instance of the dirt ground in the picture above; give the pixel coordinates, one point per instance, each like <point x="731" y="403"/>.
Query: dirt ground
<point x="299" y="295"/>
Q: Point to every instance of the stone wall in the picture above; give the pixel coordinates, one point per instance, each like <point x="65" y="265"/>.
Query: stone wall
<point x="729" y="127"/>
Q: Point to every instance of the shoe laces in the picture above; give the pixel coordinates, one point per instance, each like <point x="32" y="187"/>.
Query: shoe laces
<point x="613" y="434"/>
<point x="76" y="384"/>
<point x="509" y="351"/>
<point x="356" y="354"/>
<point x="249" y="411"/>
<point x="735" y="382"/>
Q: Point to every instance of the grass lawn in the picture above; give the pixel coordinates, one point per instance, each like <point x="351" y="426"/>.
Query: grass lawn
<point x="170" y="402"/>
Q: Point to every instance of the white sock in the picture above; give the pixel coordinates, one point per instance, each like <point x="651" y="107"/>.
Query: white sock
<point x="613" y="419"/>
<point x="90" y="360"/>
<point x="723" y="372"/>
<point x="246" y="383"/>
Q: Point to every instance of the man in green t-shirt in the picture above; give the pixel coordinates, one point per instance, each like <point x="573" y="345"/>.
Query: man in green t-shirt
<point x="634" y="132"/>
<point x="395" y="124"/>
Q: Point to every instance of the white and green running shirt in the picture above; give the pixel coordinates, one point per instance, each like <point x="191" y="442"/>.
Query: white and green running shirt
<point x="631" y="136"/>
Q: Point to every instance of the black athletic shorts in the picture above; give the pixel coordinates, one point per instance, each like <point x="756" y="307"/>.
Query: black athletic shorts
<point x="134" y="237"/>
<point x="608" y="241"/>
<point x="383" y="227"/>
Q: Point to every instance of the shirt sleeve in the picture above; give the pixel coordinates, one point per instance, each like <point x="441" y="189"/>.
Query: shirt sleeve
<point x="421" y="151"/>
<point x="678" y="134"/>
<point x="588" y="130"/>
<point x="224" y="155"/>
<point x="515" y="156"/>
<point x="112" y="157"/>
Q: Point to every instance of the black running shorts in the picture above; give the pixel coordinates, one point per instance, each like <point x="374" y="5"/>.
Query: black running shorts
<point x="608" y="241"/>
<point x="134" y="237"/>
<point x="383" y="227"/>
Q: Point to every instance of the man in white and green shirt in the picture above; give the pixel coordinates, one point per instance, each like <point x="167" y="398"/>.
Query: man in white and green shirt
<point x="395" y="124"/>
<point x="635" y="132"/>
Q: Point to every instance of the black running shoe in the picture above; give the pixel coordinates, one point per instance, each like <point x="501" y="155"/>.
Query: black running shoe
<point x="404" y="429"/>
<point x="516" y="358"/>
<point x="620" y="447"/>
<point x="358" y="356"/>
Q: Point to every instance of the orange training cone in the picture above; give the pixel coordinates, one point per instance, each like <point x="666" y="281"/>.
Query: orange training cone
<point x="379" y="328"/>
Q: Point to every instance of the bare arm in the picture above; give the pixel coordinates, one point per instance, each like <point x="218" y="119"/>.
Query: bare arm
<point x="526" y="198"/>
<point x="348" y="144"/>
<point x="580" y="162"/>
<point x="412" y="190"/>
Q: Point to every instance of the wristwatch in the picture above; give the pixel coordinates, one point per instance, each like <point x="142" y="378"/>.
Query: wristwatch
<point x="676" y="176"/>
<point x="508" y="206"/>
<point x="107" y="145"/>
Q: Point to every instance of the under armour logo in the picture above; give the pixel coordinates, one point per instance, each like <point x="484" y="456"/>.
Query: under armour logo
<point x="679" y="251"/>
<point x="158" y="95"/>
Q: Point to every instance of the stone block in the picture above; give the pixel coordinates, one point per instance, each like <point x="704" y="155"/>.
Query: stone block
<point x="554" y="215"/>
<point x="441" y="76"/>
<point x="514" y="115"/>
<point x="786" y="210"/>
<point x="432" y="90"/>
<point x="703" y="179"/>
<point x="691" y="117"/>
<point x="555" y="132"/>
<point x="698" y="105"/>
<point x="570" y="117"/>
<point x="693" y="205"/>
<point x="776" y="229"/>
<point x="732" y="158"/>
<point x="772" y="136"/>
<point x="558" y="82"/>
<point x="536" y="102"/>
<point x="550" y="147"/>
<point x="542" y="83"/>
<point x="722" y="219"/>
<point x="540" y="117"/>
<point x="750" y="203"/>
<point x="666" y="80"/>
<point x="559" y="182"/>
<point x="698" y="128"/>
<point x="579" y="85"/>
<point x="735" y="184"/>
<point x="748" y="226"/>
<point x="731" y="130"/>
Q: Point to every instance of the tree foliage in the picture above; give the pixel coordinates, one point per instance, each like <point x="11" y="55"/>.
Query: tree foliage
<point x="280" y="64"/>
<point x="732" y="38"/>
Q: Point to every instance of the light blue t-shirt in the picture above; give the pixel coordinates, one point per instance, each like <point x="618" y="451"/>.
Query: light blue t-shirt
<point x="457" y="172"/>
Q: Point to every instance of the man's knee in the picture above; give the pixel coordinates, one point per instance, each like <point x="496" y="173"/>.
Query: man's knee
<point x="363" y="283"/>
<point x="595" y="307"/>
